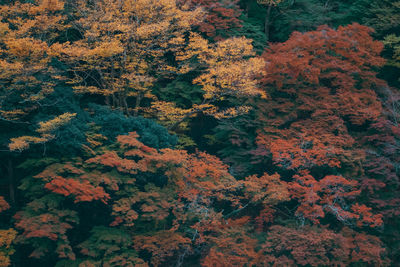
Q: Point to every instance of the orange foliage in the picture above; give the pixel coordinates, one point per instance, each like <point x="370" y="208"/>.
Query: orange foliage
<point x="329" y="195"/>
<point x="153" y="205"/>
<point x="162" y="245"/>
<point x="319" y="82"/>
<point x="268" y="189"/>
<point x="82" y="191"/>
<point x="3" y="204"/>
<point x="44" y="220"/>
<point x="365" y="217"/>
<point x="80" y="188"/>
<point x="197" y="174"/>
<point x="229" y="243"/>
<point x="318" y="246"/>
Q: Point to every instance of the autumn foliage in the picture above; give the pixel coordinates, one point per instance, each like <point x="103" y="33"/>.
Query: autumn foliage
<point x="220" y="16"/>
<point x="199" y="133"/>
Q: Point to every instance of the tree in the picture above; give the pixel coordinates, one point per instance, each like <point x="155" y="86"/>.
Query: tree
<point x="269" y="4"/>
<point x="315" y="247"/>
<point x="44" y="224"/>
<point x="221" y="16"/>
<point x="328" y="76"/>
<point x="329" y="195"/>
<point x="6" y="239"/>
<point x="124" y="48"/>
<point x="229" y="244"/>
<point x="6" y="248"/>
<point x="27" y="76"/>
<point x="109" y="246"/>
<point x="155" y="195"/>
<point x="227" y="70"/>
<point x="393" y="43"/>
<point x="46" y="131"/>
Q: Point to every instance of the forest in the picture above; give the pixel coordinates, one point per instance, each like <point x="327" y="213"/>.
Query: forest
<point x="214" y="133"/>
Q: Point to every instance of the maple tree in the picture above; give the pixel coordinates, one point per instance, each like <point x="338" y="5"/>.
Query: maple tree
<point x="220" y="15"/>
<point x="109" y="246"/>
<point x="228" y="244"/>
<point x="3" y="204"/>
<point x="332" y="86"/>
<point x="315" y="247"/>
<point x="193" y="182"/>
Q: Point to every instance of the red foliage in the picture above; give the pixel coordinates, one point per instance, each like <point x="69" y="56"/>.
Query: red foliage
<point x="266" y="216"/>
<point x="220" y="15"/>
<point x="365" y="217"/>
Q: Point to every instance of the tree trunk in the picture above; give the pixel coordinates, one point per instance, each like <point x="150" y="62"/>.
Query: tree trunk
<point x="247" y="8"/>
<point x="137" y="104"/>
<point x="11" y="181"/>
<point x="107" y="101"/>
<point x="128" y="113"/>
<point x="267" y="22"/>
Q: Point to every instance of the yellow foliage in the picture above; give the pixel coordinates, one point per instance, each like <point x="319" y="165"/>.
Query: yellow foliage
<point x="22" y="143"/>
<point x="228" y="67"/>
<point x="26" y="29"/>
<point x="169" y="112"/>
<point x="269" y="2"/>
<point x="231" y="112"/>
<point x="6" y="239"/>
<point x="57" y="122"/>
<point x="45" y="129"/>
<point x="26" y="47"/>
<point x="106" y="49"/>
<point x="231" y="67"/>
<point x="12" y="114"/>
<point x="47" y="6"/>
<point x="124" y="43"/>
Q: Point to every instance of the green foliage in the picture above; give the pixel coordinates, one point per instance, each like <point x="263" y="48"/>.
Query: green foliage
<point x="182" y="92"/>
<point x="382" y="15"/>
<point x="307" y="15"/>
<point x="235" y="140"/>
<point x="109" y="246"/>
<point x="44" y="224"/>
<point x="115" y="123"/>
<point x="252" y="28"/>
<point x="392" y="43"/>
